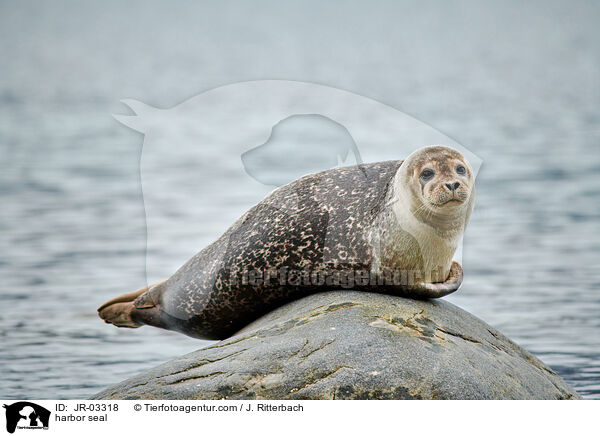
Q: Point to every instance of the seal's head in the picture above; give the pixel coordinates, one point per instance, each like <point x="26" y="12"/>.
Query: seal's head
<point x="439" y="181"/>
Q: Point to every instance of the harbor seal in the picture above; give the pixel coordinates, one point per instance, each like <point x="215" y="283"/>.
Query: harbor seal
<point x="389" y="227"/>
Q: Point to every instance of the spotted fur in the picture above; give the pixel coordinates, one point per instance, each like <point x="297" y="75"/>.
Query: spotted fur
<point x="326" y="223"/>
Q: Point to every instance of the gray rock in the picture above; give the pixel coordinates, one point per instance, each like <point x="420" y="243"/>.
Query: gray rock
<point x="354" y="345"/>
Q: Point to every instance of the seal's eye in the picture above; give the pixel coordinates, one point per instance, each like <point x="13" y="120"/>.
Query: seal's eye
<point x="427" y="174"/>
<point x="461" y="170"/>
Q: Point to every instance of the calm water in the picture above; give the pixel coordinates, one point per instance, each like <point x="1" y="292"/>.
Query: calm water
<point x="518" y="86"/>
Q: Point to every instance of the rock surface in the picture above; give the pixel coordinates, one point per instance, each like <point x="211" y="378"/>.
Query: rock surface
<point x="354" y="345"/>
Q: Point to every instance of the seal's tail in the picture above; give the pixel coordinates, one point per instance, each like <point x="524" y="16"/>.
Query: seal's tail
<point x="122" y="310"/>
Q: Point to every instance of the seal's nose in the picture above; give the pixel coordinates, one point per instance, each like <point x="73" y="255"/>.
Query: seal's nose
<point x="452" y="186"/>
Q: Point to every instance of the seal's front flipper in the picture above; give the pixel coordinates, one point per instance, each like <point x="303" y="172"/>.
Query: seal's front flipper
<point x="437" y="290"/>
<point x="121" y="311"/>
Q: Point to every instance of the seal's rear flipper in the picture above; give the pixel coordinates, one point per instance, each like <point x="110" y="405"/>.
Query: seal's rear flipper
<point x="119" y="314"/>
<point x="123" y="312"/>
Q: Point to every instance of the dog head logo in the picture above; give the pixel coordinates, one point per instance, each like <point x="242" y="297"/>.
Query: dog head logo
<point x="26" y="415"/>
<point x="300" y="145"/>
